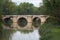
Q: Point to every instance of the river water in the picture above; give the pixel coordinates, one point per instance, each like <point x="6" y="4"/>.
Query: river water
<point x="20" y="35"/>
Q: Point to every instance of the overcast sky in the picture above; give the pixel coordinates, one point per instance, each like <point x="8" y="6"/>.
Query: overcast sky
<point x="35" y="2"/>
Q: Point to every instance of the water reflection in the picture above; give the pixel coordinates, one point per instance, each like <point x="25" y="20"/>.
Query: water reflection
<point x="18" y="35"/>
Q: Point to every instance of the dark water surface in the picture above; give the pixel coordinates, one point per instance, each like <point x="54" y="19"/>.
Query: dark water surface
<point x="20" y="35"/>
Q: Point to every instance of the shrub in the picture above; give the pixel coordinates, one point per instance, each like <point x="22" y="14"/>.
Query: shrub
<point x="45" y="32"/>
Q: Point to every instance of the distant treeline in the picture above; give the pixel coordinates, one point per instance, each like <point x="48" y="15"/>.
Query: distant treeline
<point x="10" y="8"/>
<point x="48" y="7"/>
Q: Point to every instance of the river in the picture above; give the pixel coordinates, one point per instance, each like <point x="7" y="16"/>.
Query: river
<point x="20" y="35"/>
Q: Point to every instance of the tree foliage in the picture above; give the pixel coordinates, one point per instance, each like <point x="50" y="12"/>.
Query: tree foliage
<point x="51" y="8"/>
<point x="27" y="9"/>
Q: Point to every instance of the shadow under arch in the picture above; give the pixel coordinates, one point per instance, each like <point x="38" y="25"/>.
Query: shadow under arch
<point x="22" y="22"/>
<point x="7" y="21"/>
<point x="36" y="22"/>
<point x="51" y="20"/>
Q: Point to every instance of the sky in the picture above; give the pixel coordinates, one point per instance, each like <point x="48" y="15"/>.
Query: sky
<point x="34" y="2"/>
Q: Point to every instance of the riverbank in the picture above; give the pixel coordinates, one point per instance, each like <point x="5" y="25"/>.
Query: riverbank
<point x="49" y="32"/>
<point x="56" y="33"/>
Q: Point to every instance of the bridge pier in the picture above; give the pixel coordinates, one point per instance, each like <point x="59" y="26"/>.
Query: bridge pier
<point x="29" y="19"/>
<point x="43" y="19"/>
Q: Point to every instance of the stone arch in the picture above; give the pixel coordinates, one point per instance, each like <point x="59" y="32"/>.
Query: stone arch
<point x="29" y="21"/>
<point x="51" y="20"/>
<point x="36" y="21"/>
<point x="43" y="18"/>
<point x="22" y="22"/>
<point x="7" y="21"/>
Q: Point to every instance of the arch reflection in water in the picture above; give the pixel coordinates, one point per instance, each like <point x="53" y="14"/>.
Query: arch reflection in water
<point x="21" y="36"/>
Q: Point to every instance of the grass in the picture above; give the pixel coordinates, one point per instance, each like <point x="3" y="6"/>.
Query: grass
<point x="56" y="34"/>
<point x="49" y="32"/>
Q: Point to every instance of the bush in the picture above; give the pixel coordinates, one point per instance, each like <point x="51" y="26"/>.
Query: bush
<point x="52" y="20"/>
<point x="45" y="32"/>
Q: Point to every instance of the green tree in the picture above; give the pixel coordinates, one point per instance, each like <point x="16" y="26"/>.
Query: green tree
<point x="52" y="8"/>
<point x="27" y="8"/>
<point x="7" y="7"/>
<point x="42" y="10"/>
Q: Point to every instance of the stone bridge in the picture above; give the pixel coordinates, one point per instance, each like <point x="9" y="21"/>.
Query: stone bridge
<point x="28" y="18"/>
